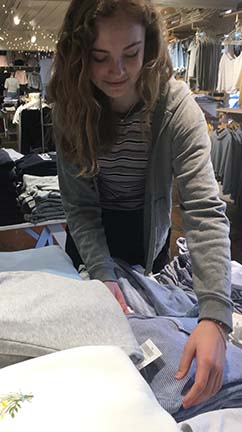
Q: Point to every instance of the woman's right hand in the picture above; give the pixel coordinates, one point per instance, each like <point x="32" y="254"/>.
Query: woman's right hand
<point x="116" y="291"/>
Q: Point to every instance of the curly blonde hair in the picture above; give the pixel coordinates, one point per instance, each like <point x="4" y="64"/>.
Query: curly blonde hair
<point x="82" y="113"/>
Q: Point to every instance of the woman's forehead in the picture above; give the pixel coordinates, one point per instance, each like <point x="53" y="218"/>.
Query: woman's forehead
<point x="120" y="29"/>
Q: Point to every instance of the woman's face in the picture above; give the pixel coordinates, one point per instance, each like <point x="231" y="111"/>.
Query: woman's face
<point x="117" y="55"/>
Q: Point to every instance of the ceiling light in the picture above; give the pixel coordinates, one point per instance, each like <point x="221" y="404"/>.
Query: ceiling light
<point x="33" y="39"/>
<point x="1" y="38"/>
<point x="16" y="20"/>
<point x="229" y="11"/>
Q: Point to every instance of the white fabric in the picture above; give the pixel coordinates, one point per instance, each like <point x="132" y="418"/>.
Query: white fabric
<point x="226" y="73"/>
<point x="237" y="70"/>
<point x="227" y="420"/>
<point x="13" y="154"/>
<point x="236" y="269"/>
<point x="229" y="72"/>
<point x="33" y="104"/>
<point x="46" y="183"/>
<point x="236" y="335"/>
<point x="91" y="389"/>
<point x="11" y="84"/>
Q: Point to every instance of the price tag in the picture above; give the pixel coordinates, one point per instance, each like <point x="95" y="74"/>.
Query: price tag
<point x="151" y="353"/>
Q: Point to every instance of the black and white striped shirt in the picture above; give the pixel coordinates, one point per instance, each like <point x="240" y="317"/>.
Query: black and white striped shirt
<point x="121" y="179"/>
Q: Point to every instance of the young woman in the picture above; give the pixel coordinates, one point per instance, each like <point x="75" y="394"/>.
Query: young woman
<point x="124" y="128"/>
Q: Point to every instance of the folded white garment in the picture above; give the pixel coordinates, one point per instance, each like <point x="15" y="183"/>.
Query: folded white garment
<point x="91" y="389"/>
<point x="226" y="420"/>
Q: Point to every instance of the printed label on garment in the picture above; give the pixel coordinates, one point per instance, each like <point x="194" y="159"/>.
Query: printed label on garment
<point x="236" y="335"/>
<point x="151" y="353"/>
<point x="44" y="156"/>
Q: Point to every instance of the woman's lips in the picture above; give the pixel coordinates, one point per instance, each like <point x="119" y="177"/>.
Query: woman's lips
<point x="116" y="83"/>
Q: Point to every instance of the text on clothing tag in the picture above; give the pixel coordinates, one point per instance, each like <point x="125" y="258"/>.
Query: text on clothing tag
<point x="151" y="353"/>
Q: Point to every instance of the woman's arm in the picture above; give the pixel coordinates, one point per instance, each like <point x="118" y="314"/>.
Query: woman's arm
<point x="203" y="213"/>
<point x="83" y="214"/>
<point x="207" y="234"/>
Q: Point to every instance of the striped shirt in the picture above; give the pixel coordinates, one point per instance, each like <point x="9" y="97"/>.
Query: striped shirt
<point x="121" y="178"/>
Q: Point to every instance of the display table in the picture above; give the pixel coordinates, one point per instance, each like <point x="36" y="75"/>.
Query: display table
<point x="51" y="230"/>
<point x="232" y="111"/>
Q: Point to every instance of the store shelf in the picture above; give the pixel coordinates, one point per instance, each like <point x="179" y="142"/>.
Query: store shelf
<point x="239" y="12"/>
<point x="237" y="111"/>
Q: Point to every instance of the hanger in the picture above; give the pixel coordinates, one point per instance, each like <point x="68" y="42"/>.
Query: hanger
<point x="200" y="35"/>
<point x="235" y="36"/>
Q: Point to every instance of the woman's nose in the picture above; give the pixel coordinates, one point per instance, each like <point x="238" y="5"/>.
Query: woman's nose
<point x="117" y="67"/>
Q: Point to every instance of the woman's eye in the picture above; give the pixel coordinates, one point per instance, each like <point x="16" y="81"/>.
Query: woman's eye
<point x="132" y="55"/>
<point x="99" y="60"/>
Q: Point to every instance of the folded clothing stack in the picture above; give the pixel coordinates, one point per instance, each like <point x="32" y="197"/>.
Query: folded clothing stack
<point x="10" y="213"/>
<point x="40" y="199"/>
<point x="43" y="164"/>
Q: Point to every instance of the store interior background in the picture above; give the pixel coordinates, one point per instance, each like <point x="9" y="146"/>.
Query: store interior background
<point x="35" y="37"/>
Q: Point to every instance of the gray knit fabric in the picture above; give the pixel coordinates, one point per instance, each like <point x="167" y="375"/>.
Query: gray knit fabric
<point x="41" y="313"/>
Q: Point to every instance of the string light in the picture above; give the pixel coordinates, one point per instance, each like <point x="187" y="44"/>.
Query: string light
<point x="20" y="42"/>
<point x="16" y="20"/>
<point x="33" y="39"/>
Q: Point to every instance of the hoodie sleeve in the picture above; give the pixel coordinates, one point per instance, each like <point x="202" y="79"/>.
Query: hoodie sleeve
<point x="205" y="223"/>
<point x="83" y="214"/>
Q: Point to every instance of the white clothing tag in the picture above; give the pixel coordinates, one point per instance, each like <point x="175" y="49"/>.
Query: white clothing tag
<point x="44" y="156"/>
<point x="236" y="335"/>
<point x="151" y="353"/>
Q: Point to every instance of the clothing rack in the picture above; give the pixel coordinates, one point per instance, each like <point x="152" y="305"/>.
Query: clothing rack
<point x="42" y="123"/>
<point x="9" y="69"/>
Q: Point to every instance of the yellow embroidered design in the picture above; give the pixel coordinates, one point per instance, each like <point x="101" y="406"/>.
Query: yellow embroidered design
<point x="11" y="403"/>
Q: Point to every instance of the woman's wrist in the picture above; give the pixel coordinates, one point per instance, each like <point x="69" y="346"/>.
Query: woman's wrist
<point x="221" y="327"/>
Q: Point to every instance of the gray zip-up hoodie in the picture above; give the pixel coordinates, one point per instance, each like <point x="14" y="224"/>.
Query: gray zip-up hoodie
<point x="180" y="147"/>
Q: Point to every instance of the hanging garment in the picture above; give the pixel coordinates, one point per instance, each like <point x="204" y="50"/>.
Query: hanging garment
<point x="11" y="85"/>
<point x="21" y="76"/>
<point x="227" y="74"/>
<point x="237" y="70"/>
<point x="192" y="52"/>
<point x="31" y="131"/>
<point x="34" y="81"/>
<point x="3" y="61"/>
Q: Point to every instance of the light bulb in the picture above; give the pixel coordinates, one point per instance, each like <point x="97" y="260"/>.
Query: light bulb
<point x="16" y="20"/>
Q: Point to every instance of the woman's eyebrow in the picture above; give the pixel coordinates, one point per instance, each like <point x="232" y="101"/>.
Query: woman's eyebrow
<point x="126" y="48"/>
